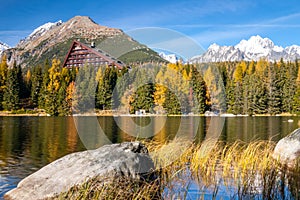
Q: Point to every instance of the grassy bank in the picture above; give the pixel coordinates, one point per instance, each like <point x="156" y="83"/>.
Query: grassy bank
<point x="238" y="170"/>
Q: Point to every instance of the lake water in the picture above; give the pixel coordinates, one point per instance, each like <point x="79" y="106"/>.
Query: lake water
<point x="29" y="143"/>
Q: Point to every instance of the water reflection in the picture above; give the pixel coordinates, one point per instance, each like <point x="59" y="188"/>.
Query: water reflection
<point x="28" y="143"/>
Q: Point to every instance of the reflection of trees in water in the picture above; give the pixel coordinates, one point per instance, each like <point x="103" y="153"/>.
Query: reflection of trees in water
<point x="72" y="136"/>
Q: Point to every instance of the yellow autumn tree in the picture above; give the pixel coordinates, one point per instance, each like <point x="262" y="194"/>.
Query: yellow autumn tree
<point x="160" y="89"/>
<point x="238" y="74"/>
<point x="126" y="100"/>
<point x="99" y="74"/>
<point x="172" y="88"/>
<point x="28" y="76"/>
<point x="159" y="97"/>
<point x="3" y="78"/>
<point x="54" y="75"/>
<point x="209" y="78"/>
<point x="251" y="68"/>
<point x="69" y="94"/>
<point x="3" y="70"/>
<point x="52" y="103"/>
<point x="261" y="67"/>
<point x="244" y="66"/>
<point x="298" y="78"/>
<point x="65" y="75"/>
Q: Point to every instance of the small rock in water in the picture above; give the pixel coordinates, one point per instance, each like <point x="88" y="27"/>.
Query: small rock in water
<point x="290" y="121"/>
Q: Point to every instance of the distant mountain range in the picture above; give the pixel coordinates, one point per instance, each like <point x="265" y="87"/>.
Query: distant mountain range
<point x="53" y="40"/>
<point x="253" y="49"/>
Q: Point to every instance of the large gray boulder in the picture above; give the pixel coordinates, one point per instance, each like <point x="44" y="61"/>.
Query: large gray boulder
<point x="287" y="149"/>
<point x="130" y="159"/>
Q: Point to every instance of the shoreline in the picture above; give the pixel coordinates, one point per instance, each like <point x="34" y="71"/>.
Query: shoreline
<point x="110" y="114"/>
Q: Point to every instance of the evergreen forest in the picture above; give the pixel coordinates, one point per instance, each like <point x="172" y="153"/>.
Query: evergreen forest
<point x="250" y="88"/>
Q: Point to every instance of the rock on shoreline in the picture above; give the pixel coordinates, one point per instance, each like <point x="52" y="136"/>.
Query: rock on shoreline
<point x="287" y="149"/>
<point x="130" y="159"/>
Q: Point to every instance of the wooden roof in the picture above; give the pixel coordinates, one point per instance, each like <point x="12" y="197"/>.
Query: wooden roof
<point x="80" y="54"/>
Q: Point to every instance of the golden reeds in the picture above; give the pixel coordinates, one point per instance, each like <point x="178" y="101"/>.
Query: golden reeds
<point x="247" y="170"/>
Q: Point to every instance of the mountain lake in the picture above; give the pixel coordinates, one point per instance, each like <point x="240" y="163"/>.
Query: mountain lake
<point x="29" y="143"/>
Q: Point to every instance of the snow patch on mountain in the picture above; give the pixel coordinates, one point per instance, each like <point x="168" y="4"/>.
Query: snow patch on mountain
<point x="3" y="47"/>
<point x="41" y="30"/>
<point x="254" y="48"/>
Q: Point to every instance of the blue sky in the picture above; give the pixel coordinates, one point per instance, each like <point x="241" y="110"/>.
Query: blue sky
<point x="224" y="22"/>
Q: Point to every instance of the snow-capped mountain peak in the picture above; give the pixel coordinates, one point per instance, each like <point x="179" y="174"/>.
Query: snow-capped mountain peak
<point x="214" y="47"/>
<point x="256" y="45"/>
<point x="294" y="49"/>
<point x="3" y="47"/>
<point x="172" y="58"/>
<point x="41" y="30"/>
<point x="254" y="48"/>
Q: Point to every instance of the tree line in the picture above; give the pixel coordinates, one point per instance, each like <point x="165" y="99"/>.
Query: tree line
<point x="251" y="88"/>
<point x="262" y="87"/>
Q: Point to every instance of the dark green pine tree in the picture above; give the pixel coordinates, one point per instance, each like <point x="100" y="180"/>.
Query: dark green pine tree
<point x="259" y="100"/>
<point x="11" y="100"/>
<point x="172" y="104"/>
<point x="24" y="91"/>
<point x="224" y="73"/>
<point x="274" y="92"/>
<point x="230" y="96"/>
<point x="296" y="101"/>
<point x="238" y="90"/>
<point x="247" y="94"/>
<point x="238" y="100"/>
<point x="46" y="80"/>
<point x="143" y="98"/>
<point x="122" y="84"/>
<point x="199" y="95"/>
<point x="289" y="87"/>
<point x="296" y="98"/>
<point x="63" y="109"/>
<point x="85" y="90"/>
<point x="112" y="81"/>
<point x="105" y="88"/>
<point x="36" y="84"/>
<point x="73" y="71"/>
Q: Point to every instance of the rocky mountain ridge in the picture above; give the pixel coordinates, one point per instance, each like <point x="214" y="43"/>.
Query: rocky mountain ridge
<point x="254" y="48"/>
<point x="53" y="40"/>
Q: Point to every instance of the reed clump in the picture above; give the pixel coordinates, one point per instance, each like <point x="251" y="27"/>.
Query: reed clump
<point x="237" y="170"/>
<point x="245" y="170"/>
